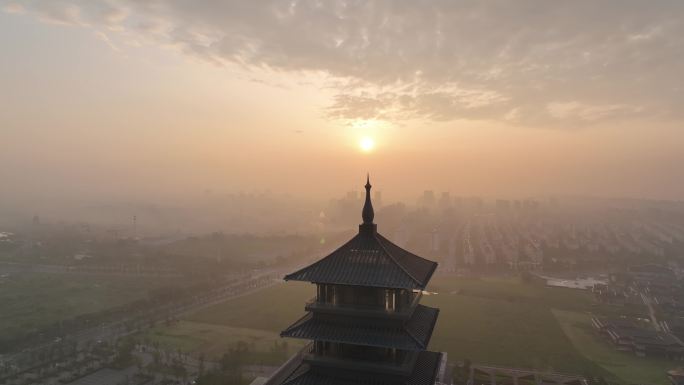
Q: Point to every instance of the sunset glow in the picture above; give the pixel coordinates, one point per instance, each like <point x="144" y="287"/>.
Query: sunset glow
<point x="367" y="144"/>
<point x="176" y="106"/>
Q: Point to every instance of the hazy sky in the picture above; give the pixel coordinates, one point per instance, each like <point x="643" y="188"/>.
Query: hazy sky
<point x="164" y="99"/>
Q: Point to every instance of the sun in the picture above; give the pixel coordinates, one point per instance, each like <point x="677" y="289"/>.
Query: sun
<point x="367" y="144"/>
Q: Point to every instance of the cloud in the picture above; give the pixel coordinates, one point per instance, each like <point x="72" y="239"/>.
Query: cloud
<point x="12" y="7"/>
<point x="528" y="62"/>
<point x="417" y="101"/>
<point x="588" y="113"/>
<point x="104" y="38"/>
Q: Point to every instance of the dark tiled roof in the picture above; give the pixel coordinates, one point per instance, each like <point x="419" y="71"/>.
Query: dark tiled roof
<point x="369" y="260"/>
<point x="424" y="373"/>
<point x="414" y="334"/>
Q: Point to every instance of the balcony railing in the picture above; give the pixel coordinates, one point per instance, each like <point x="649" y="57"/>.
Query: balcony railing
<point x="404" y="311"/>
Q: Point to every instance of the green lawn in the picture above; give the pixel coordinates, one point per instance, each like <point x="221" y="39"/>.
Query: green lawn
<point x="498" y="321"/>
<point x="506" y="322"/>
<point x="272" y="309"/>
<point x="627" y="367"/>
<point x="32" y="301"/>
<point x="213" y="340"/>
<point x="515" y="291"/>
<point x="492" y="321"/>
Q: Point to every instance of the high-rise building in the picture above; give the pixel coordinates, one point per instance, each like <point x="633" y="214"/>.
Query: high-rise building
<point x="428" y="198"/>
<point x="365" y="322"/>
<point x="378" y="198"/>
<point x="503" y="204"/>
<point x="352" y="195"/>
<point x="445" y="200"/>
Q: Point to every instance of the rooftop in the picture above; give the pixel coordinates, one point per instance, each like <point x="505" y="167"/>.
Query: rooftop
<point x="369" y="259"/>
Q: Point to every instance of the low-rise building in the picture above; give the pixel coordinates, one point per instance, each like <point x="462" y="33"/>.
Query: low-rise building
<point x="628" y="335"/>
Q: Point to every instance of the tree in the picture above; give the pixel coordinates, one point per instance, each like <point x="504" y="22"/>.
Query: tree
<point x="461" y="374"/>
<point x="201" y="364"/>
<point x="124" y="354"/>
<point x="156" y="357"/>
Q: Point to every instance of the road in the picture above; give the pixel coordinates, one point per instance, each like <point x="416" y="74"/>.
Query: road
<point x="122" y="270"/>
<point x="651" y="312"/>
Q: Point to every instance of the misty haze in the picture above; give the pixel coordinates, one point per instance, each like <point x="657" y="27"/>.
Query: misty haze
<point x="341" y="192"/>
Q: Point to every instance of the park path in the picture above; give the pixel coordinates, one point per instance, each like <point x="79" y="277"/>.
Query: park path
<point x="651" y="312"/>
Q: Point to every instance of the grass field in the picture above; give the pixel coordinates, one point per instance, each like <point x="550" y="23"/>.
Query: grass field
<point x="272" y="309"/>
<point x="495" y="321"/>
<point x="514" y="291"/>
<point x="256" y="319"/>
<point x="506" y="322"/>
<point x="213" y="340"/>
<point x="30" y="301"/>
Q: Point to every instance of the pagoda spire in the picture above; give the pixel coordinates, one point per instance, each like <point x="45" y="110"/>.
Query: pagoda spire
<point x="368" y="214"/>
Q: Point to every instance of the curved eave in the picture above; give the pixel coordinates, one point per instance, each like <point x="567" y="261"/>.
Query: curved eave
<point x="405" y="342"/>
<point x="414" y="286"/>
<point x="369" y="259"/>
<point x="414" y="335"/>
<point x="429" y="275"/>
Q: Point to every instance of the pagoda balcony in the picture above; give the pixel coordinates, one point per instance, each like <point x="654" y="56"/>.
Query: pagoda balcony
<point x="402" y="367"/>
<point x="403" y="312"/>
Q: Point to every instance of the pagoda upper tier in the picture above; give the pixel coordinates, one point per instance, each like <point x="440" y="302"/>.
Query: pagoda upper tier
<point x="369" y="259"/>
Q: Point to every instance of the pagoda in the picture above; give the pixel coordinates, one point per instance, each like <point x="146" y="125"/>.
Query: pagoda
<point x="365" y="323"/>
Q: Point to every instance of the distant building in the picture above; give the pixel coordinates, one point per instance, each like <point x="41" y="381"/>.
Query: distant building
<point x="353" y="195"/>
<point x="445" y="200"/>
<point x="378" y="199"/>
<point x="627" y="335"/>
<point x="428" y="198"/>
<point x="434" y="241"/>
<point x="651" y="272"/>
<point x="474" y="203"/>
<point x="676" y="376"/>
<point x="503" y="204"/>
<point x="498" y="375"/>
<point x="530" y="204"/>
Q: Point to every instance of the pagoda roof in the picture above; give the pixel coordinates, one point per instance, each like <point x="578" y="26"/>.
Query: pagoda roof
<point x="413" y="334"/>
<point x="424" y="373"/>
<point x="369" y="259"/>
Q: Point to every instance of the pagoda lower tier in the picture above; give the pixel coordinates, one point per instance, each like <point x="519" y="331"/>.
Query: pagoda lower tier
<point x="413" y="334"/>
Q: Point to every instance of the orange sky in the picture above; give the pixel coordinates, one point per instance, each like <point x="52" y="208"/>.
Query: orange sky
<point x="110" y="99"/>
